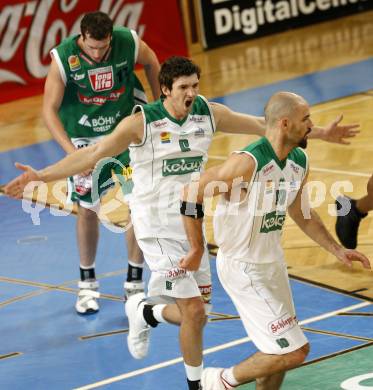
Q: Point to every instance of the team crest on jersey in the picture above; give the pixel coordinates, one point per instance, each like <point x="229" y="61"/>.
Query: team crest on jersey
<point x="74" y="63"/>
<point x="101" y="78"/>
<point x="165" y="137"/>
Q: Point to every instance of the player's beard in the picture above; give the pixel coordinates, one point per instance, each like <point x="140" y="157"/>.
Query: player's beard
<point x="303" y="142"/>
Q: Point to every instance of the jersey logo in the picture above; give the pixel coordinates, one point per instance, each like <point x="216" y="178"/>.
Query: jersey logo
<point x="165" y="137"/>
<point x="101" y="78"/>
<point x="100" y="124"/>
<point x="272" y="221"/>
<point x="100" y="100"/>
<point x="84" y="121"/>
<point x="184" y="145"/>
<point x="181" y="166"/>
<point x="74" y="63"/>
<point x="199" y="133"/>
<point x="283" y="343"/>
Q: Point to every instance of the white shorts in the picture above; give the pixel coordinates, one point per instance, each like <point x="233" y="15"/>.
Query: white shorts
<point x="262" y="296"/>
<point x="167" y="279"/>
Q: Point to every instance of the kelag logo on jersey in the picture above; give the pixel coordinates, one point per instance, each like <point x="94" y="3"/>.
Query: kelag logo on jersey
<point x="181" y="166"/>
<point x="101" y="78"/>
<point x="272" y="221"/>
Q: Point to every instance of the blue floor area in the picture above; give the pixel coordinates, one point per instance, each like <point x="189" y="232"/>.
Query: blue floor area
<point x="315" y="87"/>
<point x="38" y="155"/>
<point x="28" y="250"/>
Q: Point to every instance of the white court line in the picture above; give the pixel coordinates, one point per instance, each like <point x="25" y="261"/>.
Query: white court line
<point x="213" y="349"/>
<point x="341" y="172"/>
<point x="340" y="104"/>
<point x="327" y="170"/>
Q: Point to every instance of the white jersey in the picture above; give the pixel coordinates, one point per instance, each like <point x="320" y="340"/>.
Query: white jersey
<point x="250" y="230"/>
<point x="170" y="152"/>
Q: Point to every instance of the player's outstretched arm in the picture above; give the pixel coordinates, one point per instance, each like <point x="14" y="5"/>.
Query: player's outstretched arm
<point x="311" y="224"/>
<point x="129" y="130"/>
<point x="229" y="121"/>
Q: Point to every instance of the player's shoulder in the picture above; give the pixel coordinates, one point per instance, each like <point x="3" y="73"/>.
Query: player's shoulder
<point x="68" y="43"/>
<point x="201" y="106"/>
<point x="122" y="33"/>
<point x="258" y="150"/>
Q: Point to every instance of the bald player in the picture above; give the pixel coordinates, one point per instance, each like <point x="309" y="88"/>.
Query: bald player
<point x="259" y="184"/>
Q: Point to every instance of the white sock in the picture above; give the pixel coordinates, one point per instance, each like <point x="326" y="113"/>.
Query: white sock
<point x="157" y="312"/>
<point x="229" y="377"/>
<point x="131" y="262"/>
<point x="193" y="373"/>
<point x="87" y="266"/>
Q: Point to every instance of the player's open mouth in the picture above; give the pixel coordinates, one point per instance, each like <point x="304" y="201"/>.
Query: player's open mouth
<point x="188" y="103"/>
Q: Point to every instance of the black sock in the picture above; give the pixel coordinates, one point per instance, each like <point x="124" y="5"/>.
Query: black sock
<point x="194" y="385"/>
<point x="134" y="273"/>
<point x="87" y="274"/>
<point x="149" y="316"/>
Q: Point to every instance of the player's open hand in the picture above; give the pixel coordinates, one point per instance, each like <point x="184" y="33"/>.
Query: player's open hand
<point x="16" y="187"/>
<point x="337" y="133"/>
<point x="347" y="256"/>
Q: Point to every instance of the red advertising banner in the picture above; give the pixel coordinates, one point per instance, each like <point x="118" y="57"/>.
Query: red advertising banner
<point x="30" y="29"/>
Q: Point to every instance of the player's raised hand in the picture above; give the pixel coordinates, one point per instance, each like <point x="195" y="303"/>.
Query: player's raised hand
<point x="16" y="186"/>
<point x="337" y="133"/>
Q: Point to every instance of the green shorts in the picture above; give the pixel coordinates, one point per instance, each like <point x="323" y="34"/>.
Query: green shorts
<point x="102" y="180"/>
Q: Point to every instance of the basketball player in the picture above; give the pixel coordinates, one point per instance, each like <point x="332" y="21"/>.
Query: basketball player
<point x="90" y="87"/>
<point x="259" y="184"/>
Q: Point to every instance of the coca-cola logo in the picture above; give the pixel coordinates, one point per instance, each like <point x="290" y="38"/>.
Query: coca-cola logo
<point x="29" y="30"/>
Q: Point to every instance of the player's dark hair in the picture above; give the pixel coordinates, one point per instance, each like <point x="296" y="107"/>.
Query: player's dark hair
<point x="175" y="67"/>
<point x="97" y="24"/>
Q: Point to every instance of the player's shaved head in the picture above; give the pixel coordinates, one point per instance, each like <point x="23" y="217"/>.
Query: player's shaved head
<point x="281" y="105"/>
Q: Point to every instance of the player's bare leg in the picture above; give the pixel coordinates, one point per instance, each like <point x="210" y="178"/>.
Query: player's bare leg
<point x="87" y="236"/>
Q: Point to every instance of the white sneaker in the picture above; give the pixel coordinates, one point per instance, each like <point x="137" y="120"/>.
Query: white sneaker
<point x="87" y="297"/>
<point x="139" y="330"/>
<point x="212" y="380"/>
<point x="132" y="288"/>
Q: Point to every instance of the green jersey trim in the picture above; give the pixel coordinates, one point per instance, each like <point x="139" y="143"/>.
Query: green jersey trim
<point x="299" y="156"/>
<point x="135" y="110"/>
<point x="210" y="113"/>
<point x="264" y="153"/>
<point x="200" y="107"/>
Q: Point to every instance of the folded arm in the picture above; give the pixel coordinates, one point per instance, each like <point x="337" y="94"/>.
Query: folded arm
<point x="214" y="181"/>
